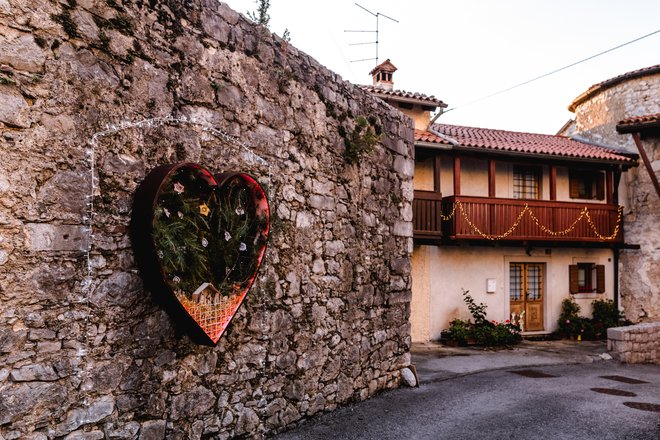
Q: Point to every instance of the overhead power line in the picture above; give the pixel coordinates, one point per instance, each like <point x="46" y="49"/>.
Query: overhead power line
<point x="553" y="72"/>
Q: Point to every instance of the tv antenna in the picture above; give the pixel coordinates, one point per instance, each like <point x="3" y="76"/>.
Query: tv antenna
<point x="377" y="15"/>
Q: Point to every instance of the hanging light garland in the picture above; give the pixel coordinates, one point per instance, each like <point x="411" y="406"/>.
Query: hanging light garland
<point x="451" y="214"/>
<point x="584" y="213"/>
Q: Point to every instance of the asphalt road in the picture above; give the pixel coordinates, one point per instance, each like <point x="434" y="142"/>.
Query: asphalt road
<point x="500" y="404"/>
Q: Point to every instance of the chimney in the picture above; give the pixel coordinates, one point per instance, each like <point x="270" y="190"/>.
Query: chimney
<point x="382" y="75"/>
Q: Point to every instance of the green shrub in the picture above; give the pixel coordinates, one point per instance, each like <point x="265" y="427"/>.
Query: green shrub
<point x="605" y="315"/>
<point x="458" y="332"/>
<point x="481" y="331"/>
<point x="569" y="322"/>
<point x="478" y="311"/>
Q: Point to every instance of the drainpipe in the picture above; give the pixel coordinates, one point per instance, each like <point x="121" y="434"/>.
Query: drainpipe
<point x="616" y="278"/>
<point x="616" y="250"/>
<point x="437" y="115"/>
<point x="442" y="136"/>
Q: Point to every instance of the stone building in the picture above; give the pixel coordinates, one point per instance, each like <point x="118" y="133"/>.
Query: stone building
<point x="93" y="95"/>
<point x="632" y="102"/>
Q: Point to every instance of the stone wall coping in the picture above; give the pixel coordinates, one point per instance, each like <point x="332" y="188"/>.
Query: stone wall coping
<point x="618" y="333"/>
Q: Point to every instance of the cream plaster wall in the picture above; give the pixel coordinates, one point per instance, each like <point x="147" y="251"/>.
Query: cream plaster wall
<point x="503" y="180"/>
<point x="420" y="305"/>
<point x="447" y="177"/>
<point x="423" y="178"/>
<point x="448" y="270"/>
<point x="420" y="117"/>
<point x="474" y="177"/>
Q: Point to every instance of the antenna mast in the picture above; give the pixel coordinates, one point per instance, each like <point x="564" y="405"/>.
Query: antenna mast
<point x="377" y="15"/>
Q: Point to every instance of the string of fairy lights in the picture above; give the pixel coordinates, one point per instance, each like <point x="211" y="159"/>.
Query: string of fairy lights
<point x="247" y="155"/>
<point x="584" y="214"/>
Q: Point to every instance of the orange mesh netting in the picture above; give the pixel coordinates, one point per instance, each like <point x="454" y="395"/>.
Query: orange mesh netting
<point x="213" y="318"/>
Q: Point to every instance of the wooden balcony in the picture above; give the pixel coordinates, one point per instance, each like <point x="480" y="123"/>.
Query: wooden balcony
<point x="427" y="220"/>
<point x="494" y="219"/>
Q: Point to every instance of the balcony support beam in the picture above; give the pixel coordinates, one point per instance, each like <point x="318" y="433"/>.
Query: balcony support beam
<point x="491" y="178"/>
<point x="457" y="176"/>
<point x="553" y="182"/>
<point x="436" y="174"/>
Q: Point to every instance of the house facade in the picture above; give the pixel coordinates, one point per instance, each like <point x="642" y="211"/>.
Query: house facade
<point x="521" y="220"/>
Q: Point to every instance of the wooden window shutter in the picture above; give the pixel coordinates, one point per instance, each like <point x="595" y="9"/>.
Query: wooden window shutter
<point x="600" y="278"/>
<point x="573" y="278"/>
<point x="600" y="186"/>
<point x="573" y="186"/>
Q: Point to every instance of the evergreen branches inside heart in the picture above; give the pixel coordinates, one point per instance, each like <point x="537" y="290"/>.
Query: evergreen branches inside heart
<point x="208" y="239"/>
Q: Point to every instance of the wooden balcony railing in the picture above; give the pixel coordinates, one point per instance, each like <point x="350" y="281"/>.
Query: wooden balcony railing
<point x="485" y="218"/>
<point x="427" y="212"/>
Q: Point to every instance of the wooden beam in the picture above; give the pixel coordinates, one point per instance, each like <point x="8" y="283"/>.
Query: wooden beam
<point x="491" y="178"/>
<point x="553" y="182"/>
<point x="491" y="193"/>
<point x="457" y="176"/>
<point x="436" y="174"/>
<point x="647" y="163"/>
<point x="609" y="187"/>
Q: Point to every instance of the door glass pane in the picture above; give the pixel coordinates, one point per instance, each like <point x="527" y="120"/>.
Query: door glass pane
<point x="515" y="282"/>
<point x="534" y="279"/>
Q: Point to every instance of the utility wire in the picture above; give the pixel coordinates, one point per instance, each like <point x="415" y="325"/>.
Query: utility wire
<point x="554" y="71"/>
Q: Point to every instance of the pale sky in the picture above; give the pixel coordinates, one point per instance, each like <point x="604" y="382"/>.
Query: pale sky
<point x="463" y="50"/>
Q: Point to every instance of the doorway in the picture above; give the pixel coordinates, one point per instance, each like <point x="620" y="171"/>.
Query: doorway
<point x="526" y="293"/>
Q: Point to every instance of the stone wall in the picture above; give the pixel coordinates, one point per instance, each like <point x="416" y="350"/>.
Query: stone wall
<point x="635" y="344"/>
<point x="596" y="119"/>
<point x="93" y="95"/>
<point x="597" y="116"/>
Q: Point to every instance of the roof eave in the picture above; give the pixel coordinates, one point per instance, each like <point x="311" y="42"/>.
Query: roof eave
<point x="386" y="97"/>
<point x="434" y="145"/>
<point x="631" y="162"/>
<point x="638" y="128"/>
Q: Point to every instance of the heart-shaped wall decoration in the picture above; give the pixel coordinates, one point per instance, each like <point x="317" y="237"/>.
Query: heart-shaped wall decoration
<point x="200" y="239"/>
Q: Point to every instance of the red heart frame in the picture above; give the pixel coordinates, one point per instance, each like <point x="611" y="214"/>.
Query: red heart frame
<point x="207" y="312"/>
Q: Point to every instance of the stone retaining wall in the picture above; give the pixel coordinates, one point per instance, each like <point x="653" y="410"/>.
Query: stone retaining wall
<point x="635" y="344"/>
<point x="93" y="95"/>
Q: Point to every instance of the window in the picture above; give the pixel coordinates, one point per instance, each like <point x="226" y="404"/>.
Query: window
<point x="526" y="182"/>
<point x="587" y="278"/>
<point x="586" y="184"/>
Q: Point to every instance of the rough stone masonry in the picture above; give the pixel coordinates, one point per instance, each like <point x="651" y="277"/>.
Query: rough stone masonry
<point x="93" y="95"/>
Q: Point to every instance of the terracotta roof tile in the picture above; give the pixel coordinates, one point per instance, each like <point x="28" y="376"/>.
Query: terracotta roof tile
<point x="639" y="123"/>
<point x="518" y="142"/>
<point x="652" y="70"/>
<point x="423" y="99"/>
